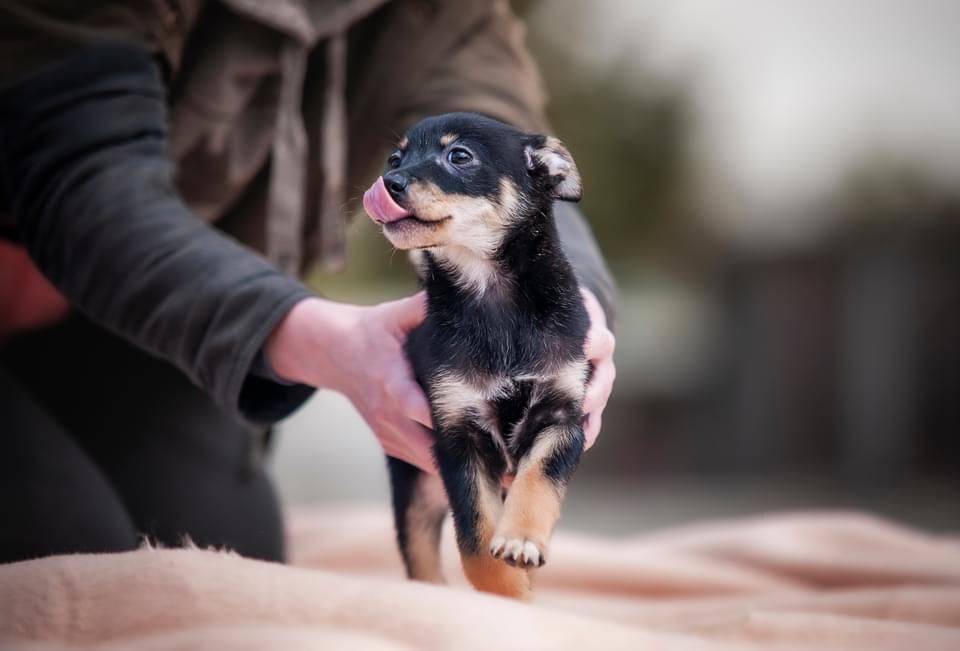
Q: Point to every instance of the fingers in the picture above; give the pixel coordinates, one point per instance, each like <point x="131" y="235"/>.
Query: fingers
<point x="413" y="404"/>
<point x="592" y="429"/>
<point x="403" y="394"/>
<point x="597" y="316"/>
<point x="410" y="443"/>
<point x="598" y="348"/>
<point x="420" y="446"/>
<point x="600" y="344"/>
<point x="600" y="341"/>
<point x="403" y="434"/>
<point x="600" y="386"/>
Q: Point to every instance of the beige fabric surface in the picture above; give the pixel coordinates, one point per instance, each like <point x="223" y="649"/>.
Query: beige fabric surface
<point x="788" y="581"/>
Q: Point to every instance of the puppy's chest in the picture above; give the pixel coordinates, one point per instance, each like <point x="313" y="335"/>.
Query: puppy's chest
<point x="502" y="374"/>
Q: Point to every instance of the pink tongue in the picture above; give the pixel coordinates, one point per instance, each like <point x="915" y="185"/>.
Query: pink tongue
<point x="380" y="205"/>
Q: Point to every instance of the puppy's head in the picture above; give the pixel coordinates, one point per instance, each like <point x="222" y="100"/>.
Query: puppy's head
<point x="463" y="180"/>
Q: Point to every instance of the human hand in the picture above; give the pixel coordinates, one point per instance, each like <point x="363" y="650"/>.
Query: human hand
<point x="358" y="351"/>
<point x="599" y="349"/>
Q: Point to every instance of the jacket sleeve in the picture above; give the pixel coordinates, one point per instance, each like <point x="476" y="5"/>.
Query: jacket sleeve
<point x="85" y="172"/>
<point x="491" y="72"/>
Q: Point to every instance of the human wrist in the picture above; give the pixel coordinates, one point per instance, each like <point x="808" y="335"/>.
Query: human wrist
<point x="306" y="345"/>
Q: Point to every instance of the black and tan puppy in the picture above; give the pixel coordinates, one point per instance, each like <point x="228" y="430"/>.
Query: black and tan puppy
<point x="500" y="354"/>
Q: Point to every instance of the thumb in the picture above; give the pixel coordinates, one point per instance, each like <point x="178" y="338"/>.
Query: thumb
<point x="409" y="312"/>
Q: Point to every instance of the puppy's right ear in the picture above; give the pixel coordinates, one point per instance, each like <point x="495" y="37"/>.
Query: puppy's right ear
<point x="549" y="157"/>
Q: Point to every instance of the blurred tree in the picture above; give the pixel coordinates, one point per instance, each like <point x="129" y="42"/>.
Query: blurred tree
<point x="630" y="140"/>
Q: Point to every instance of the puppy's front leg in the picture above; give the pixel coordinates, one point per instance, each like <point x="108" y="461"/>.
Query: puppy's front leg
<point x="473" y="488"/>
<point x="533" y="503"/>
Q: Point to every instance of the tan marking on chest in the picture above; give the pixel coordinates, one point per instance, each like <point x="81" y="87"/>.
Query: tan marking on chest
<point x="572" y="379"/>
<point x="453" y="397"/>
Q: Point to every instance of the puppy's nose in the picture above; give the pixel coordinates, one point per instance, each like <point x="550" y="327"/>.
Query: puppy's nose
<point x="396" y="184"/>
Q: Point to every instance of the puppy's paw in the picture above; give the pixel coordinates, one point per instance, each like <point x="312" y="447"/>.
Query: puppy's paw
<point x="518" y="551"/>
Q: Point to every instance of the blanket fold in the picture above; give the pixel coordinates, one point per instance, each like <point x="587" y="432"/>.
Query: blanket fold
<point x="802" y="580"/>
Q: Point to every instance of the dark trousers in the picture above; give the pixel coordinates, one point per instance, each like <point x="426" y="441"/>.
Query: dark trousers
<point x="102" y="445"/>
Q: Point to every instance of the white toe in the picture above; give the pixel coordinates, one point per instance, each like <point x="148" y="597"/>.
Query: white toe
<point x="513" y="549"/>
<point x="531" y="554"/>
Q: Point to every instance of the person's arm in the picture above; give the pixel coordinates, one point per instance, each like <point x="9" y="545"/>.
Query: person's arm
<point x="85" y="171"/>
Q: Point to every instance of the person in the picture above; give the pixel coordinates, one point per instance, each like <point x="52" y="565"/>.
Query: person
<point x="167" y="169"/>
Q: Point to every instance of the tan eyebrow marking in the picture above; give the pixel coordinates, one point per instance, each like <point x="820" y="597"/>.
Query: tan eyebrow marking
<point x="447" y="138"/>
<point x="403" y="143"/>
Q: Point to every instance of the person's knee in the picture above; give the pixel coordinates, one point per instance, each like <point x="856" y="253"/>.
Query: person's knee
<point x="47" y="510"/>
<point x="213" y="505"/>
<point x="88" y="531"/>
<point x="53" y="498"/>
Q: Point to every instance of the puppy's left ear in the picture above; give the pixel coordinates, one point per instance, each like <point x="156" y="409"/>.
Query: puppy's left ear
<point x="549" y="157"/>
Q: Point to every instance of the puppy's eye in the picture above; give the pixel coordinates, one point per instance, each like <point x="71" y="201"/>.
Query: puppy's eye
<point x="459" y="156"/>
<point x="394" y="161"/>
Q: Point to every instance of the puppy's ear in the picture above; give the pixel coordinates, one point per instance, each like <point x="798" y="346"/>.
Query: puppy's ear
<point x="549" y="157"/>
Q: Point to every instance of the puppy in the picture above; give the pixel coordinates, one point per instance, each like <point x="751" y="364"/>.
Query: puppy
<point x="501" y="352"/>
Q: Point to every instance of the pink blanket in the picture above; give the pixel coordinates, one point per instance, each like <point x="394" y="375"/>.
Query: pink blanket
<point x="820" y="581"/>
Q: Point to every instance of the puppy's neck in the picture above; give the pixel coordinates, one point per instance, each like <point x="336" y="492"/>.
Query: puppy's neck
<point x="527" y="261"/>
<point x="473" y="272"/>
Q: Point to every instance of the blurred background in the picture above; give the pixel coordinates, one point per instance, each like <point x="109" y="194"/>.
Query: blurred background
<point x="776" y="186"/>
